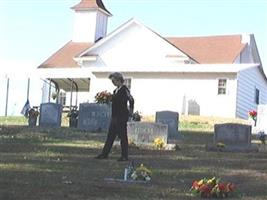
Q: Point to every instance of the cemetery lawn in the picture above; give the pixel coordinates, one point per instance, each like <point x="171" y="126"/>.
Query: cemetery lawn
<point x="55" y="164"/>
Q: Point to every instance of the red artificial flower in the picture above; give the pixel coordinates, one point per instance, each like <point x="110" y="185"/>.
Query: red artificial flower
<point x="208" y="188"/>
<point x="252" y="113"/>
<point x="230" y="187"/>
<point x="195" y="185"/>
<point x="222" y="187"/>
<point x="103" y="97"/>
<point x="205" y="188"/>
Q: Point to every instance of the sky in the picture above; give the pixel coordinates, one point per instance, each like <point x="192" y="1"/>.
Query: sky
<point x="32" y="30"/>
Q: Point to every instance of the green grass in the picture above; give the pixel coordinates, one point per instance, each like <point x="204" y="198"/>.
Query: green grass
<point x="13" y="121"/>
<point x="55" y="164"/>
<point x="21" y="120"/>
<point x="191" y="123"/>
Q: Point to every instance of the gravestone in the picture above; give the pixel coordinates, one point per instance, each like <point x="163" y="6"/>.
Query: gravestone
<point x="193" y="107"/>
<point x="232" y="137"/>
<point x="94" y="117"/>
<point x="50" y="115"/>
<point x="262" y="118"/>
<point x="171" y="119"/>
<point x="146" y="132"/>
<point x="232" y="134"/>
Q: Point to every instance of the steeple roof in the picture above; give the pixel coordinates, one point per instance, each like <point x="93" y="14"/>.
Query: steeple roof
<point x="90" y="4"/>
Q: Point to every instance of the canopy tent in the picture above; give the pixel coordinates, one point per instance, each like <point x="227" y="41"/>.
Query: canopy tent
<point x="65" y="78"/>
<point x="70" y="84"/>
<point x="68" y="79"/>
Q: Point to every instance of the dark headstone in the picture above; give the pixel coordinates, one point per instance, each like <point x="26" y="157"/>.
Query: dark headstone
<point x="94" y="117"/>
<point x="232" y="137"/>
<point x="232" y="134"/>
<point x="50" y="115"/>
<point x="171" y="119"/>
<point x="146" y="132"/>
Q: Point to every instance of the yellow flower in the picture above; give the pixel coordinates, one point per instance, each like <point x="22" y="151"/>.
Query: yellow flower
<point x="200" y="182"/>
<point x="159" y="143"/>
<point x="141" y="173"/>
<point x="220" y="144"/>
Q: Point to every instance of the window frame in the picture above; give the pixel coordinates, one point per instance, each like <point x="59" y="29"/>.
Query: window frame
<point x="223" y="87"/>
<point x="257" y="96"/>
<point x="62" y="97"/>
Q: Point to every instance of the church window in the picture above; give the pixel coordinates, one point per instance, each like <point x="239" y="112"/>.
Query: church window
<point x="222" y="86"/>
<point x="257" y="96"/>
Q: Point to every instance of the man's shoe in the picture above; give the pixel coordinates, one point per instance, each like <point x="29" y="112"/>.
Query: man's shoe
<point x="101" y="156"/>
<point x="122" y="159"/>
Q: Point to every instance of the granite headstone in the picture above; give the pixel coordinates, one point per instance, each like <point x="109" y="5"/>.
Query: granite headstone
<point x="94" y="117"/>
<point x="50" y="115"/>
<point x="232" y="137"/>
<point x="232" y="134"/>
<point x="146" y="132"/>
<point x="171" y="119"/>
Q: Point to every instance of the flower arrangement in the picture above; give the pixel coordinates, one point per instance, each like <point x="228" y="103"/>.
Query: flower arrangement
<point x="73" y="113"/>
<point x="141" y="173"/>
<point x="220" y="145"/>
<point x="73" y="117"/>
<point x="253" y="115"/>
<point x="158" y="143"/>
<point x="33" y="113"/>
<point x="136" y="116"/>
<point x="211" y="188"/>
<point x="103" y="97"/>
<point x="131" y="143"/>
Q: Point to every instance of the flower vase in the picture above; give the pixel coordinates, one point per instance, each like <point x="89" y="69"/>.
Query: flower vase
<point x="32" y="121"/>
<point x="73" y="122"/>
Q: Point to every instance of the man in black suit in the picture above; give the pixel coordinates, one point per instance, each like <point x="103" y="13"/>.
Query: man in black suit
<point x="119" y="117"/>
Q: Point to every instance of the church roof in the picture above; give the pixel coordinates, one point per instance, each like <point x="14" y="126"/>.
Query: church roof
<point x="210" y="49"/>
<point x="63" y="58"/>
<point x="90" y="4"/>
<point x="204" y="50"/>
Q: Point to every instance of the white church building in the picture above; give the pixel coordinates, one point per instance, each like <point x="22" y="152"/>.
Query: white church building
<point x="208" y="76"/>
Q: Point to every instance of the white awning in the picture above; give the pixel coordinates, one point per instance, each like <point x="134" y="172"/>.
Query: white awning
<point x="68" y="79"/>
<point x="72" y="84"/>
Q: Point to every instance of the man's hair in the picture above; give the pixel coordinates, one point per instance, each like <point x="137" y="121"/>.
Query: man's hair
<point x="116" y="75"/>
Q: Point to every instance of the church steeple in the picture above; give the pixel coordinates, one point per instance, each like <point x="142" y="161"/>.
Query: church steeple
<point x="91" y="18"/>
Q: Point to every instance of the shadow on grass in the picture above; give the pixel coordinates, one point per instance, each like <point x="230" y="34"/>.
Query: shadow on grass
<point x="58" y="164"/>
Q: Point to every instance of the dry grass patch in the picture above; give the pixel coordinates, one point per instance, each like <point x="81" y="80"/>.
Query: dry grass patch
<point x="55" y="164"/>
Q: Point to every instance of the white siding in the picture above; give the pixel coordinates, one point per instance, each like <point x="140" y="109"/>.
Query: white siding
<point x="167" y="91"/>
<point x="174" y="91"/>
<point x="84" y="26"/>
<point x="248" y="80"/>
<point x="135" y="46"/>
<point x="246" y="56"/>
<point x="101" y="25"/>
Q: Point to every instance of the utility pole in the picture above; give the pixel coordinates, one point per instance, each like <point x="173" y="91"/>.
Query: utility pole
<point x="28" y="89"/>
<point x="7" y="94"/>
